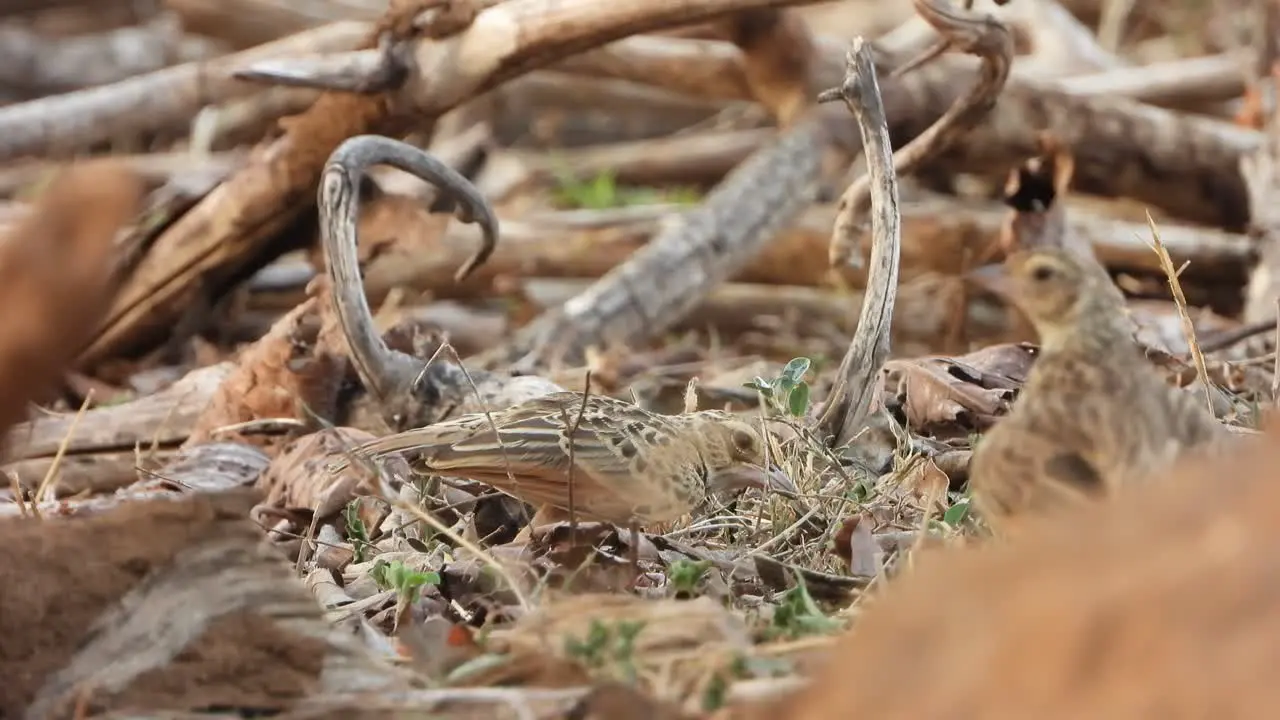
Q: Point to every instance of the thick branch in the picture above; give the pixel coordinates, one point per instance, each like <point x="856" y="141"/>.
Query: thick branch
<point x="969" y="32"/>
<point x="398" y="380"/>
<point x="448" y="61"/>
<point x="1184" y="164"/>
<point x="162" y="99"/>
<point x="689" y="257"/>
<point x="856" y="382"/>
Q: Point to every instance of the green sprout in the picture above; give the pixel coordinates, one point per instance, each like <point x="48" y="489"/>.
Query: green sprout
<point x="788" y="392"/>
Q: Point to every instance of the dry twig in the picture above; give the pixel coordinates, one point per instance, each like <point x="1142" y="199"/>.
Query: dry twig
<point x="969" y="32"/>
<point x="404" y="386"/>
<point x="853" y="394"/>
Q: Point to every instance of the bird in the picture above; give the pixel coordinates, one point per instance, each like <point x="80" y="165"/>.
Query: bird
<point x="626" y="464"/>
<point x="1160" y="602"/>
<point x="1092" y="415"/>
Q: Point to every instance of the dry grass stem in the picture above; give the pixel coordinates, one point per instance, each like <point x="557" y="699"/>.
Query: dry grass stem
<point x="1180" y="300"/>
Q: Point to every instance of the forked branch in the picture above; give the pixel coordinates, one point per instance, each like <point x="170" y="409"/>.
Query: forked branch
<point x="964" y="30"/>
<point x="857" y="383"/>
<point x="401" y="383"/>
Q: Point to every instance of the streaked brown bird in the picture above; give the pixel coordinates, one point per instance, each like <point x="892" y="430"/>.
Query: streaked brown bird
<point x="626" y="464"/>
<point x="1092" y="415"/>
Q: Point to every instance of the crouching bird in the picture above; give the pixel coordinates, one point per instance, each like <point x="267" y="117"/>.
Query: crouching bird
<point x="624" y="464"/>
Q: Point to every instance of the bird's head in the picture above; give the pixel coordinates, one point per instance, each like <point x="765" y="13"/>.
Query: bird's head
<point x="1059" y="291"/>
<point x="735" y="454"/>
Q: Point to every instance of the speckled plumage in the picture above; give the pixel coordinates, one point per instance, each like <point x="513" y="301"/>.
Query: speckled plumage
<point x="1093" y="415"/>
<point x="627" y="463"/>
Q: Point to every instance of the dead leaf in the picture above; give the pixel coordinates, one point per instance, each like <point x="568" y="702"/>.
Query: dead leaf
<point x="940" y="391"/>
<point x="855" y="545"/>
<point x="284" y="377"/>
<point x="299" y="477"/>
<point x="925" y="480"/>
<point x="1003" y="364"/>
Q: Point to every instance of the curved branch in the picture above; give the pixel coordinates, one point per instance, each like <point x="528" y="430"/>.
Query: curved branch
<point x="857" y="383"/>
<point x="963" y="30"/>
<point x="399" y="381"/>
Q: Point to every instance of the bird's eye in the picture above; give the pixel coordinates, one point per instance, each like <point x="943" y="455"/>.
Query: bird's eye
<point x="744" y="441"/>
<point x="1041" y="273"/>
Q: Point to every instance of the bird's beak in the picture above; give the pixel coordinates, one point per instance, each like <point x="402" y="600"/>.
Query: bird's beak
<point x="739" y="477"/>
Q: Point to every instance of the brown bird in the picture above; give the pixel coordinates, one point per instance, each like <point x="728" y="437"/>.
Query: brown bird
<point x="1162" y="602"/>
<point x="1092" y="414"/>
<point x="626" y="463"/>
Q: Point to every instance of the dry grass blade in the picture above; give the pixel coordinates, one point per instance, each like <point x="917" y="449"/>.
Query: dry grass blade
<point x="1180" y="300"/>
<point x="43" y="490"/>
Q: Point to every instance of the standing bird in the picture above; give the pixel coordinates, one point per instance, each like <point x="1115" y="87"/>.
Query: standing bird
<point x="1092" y="415"/>
<point x="625" y="464"/>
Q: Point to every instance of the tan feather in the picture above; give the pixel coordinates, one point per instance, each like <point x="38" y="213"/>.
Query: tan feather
<point x="624" y="462"/>
<point x="1093" y="414"/>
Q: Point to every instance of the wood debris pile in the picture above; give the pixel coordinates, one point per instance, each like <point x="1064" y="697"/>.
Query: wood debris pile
<point x="242" y="239"/>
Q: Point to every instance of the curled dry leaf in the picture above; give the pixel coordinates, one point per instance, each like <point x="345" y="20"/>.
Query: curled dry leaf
<point x="300" y="478"/>
<point x="287" y="376"/>
<point x="857" y="547"/>
<point x="1005" y="361"/>
<point x="593" y="557"/>
<point x="941" y="391"/>
<point x="924" y="479"/>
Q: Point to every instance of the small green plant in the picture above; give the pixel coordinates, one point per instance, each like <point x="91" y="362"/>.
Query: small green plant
<point x="742" y="667"/>
<point x="684" y="576"/>
<point x="787" y="393"/>
<point x="603" y="191"/>
<point x="716" y="693"/>
<point x="608" y="647"/>
<point x="357" y="533"/>
<point x="406" y="581"/>
<point x="956" y="514"/>
<point x="797" y="615"/>
<point x="594" y="193"/>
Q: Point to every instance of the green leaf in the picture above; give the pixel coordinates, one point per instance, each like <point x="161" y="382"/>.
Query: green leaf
<point x="795" y="370"/>
<point x="684" y="575"/>
<point x="798" y="401"/>
<point x="783" y="385"/>
<point x="379" y="574"/>
<point x="758" y="383"/>
<point x="716" y="693"/>
<point x="956" y="513"/>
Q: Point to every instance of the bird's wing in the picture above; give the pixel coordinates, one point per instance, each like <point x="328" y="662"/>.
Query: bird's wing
<point x="610" y="450"/>
<point x="535" y="449"/>
<point x="1017" y="470"/>
<point x="1193" y="423"/>
<point x="470" y="428"/>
